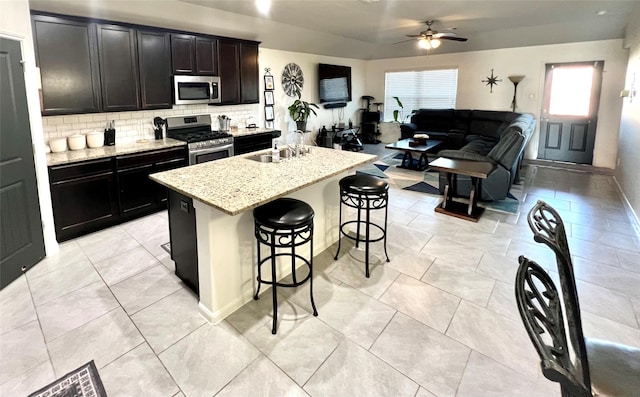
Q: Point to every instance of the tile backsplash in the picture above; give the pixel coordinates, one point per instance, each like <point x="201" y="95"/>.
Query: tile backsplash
<point x="132" y="126"/>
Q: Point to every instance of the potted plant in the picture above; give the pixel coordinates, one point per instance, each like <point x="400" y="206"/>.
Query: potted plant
<point x="397" y="112"/>
<point x="300" y="111"/>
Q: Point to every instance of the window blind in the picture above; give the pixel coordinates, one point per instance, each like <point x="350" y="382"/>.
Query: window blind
<point x="422" y="89"/>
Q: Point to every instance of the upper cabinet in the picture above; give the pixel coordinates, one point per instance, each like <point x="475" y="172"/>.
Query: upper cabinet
<point x="91" y="66"/>
<point x="238" y="67"/>
<point x="154" y="60"/>
<point x="118" y="68"/>
<point x="194" y="55"/>
<point x="67" y="55"/>
<point x="249" y="73"/>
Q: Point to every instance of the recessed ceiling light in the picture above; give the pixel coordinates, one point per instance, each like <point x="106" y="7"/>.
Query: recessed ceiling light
<point x="263" y="6"/>
<point x="601" y="12"/>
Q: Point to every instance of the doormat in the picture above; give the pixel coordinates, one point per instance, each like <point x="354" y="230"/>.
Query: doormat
<point x="82" y="382"/>
<point x="166" y="247"/>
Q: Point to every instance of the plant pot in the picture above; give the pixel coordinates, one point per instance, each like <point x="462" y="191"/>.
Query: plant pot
<point x="301" y="125"/>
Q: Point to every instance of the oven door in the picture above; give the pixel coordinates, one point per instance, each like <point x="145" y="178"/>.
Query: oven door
<point x="198" y="156"/>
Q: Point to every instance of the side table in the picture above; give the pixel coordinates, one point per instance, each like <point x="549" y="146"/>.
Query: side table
<point x="477" y="171"/>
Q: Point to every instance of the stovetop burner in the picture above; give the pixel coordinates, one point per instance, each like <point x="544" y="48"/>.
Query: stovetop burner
<point x="200" y="136"/>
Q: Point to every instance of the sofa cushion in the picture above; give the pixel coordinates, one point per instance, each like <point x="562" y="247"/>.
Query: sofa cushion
<point x="432" y="120"/>
<point x="481" y="146"/>
<point x="507" y="150"/>
<point x="464" y="155"/>
<point x="490" y="123"/>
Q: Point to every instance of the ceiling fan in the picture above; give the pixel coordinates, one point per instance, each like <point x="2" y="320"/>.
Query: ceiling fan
<point x="430" y="38"/>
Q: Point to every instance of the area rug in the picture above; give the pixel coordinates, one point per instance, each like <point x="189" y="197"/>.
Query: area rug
<point x="166" y="247"/>
<point x="82" y="382"/>
<point x="427" y="182"/>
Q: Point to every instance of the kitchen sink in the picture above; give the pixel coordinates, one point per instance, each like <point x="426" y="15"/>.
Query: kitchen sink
<point x="261" y="158"/>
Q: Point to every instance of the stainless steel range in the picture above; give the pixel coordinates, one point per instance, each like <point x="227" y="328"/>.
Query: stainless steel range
<point x="203" y="144"/>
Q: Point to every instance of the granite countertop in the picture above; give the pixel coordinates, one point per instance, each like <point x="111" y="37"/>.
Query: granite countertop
<point x="238" y="184"/>
<point x="74" y="156"/>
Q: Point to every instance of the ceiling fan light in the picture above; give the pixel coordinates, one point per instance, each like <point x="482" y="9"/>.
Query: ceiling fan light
<point x="435" y="43"/>
<point x="424" y="43"/>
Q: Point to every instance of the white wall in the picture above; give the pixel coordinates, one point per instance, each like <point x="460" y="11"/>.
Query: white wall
<point x="627" y="172"/>
<point x="276" y="61"/>
<point x="473" y="67"/>
<point x="15" y="24"/>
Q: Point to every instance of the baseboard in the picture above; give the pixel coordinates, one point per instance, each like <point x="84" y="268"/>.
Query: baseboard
<point x="569" y="166"/>
<point x="635" y="222"/>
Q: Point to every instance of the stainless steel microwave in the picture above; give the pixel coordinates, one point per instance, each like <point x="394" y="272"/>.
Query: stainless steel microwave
<point x="196" y="89"/>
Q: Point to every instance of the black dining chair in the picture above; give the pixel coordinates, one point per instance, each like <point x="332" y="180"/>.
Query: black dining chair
<point x="582" y="366"/>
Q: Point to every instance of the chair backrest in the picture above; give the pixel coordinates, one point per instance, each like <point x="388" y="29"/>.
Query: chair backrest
<point x="539" y="306"/>
<point x="548" y="228"/>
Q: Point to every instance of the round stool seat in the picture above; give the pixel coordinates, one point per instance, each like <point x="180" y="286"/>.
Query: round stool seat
<point x="284" y="213"/>
<point x="363" y="184"/>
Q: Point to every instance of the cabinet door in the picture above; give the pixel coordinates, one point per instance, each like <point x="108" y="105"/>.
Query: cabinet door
<point x="206" y="56"/>
<point x="154" y="60"/>
<point x="68" y="59"/>
<point x="136" y="191"/>
<point x="166" y="165"/>
<point x="182" y="53"/>
<point x="249" y="73"/>
<point x="118" y="68"/>
<point x="83" y="203"/>
<point x="229" y="69"/>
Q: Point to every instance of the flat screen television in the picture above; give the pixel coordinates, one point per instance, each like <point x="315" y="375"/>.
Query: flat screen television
<point x="334" y="83"/>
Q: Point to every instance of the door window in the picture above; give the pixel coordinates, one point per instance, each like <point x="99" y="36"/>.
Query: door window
<point x="571" y="90"/>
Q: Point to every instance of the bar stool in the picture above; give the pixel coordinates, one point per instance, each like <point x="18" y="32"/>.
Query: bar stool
<point x="284" y="223"/>
<point x="364" y="193"/>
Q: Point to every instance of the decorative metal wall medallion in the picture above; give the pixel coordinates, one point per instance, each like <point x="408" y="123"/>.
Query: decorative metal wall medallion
<point x="491" y="81"/>
<point x="292" y="79"/>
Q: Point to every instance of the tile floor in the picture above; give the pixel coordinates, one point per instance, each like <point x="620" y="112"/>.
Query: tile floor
<point x="438" y="320"/>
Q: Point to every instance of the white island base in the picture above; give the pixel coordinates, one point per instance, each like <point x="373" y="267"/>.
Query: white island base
<point x="227" y="255"/>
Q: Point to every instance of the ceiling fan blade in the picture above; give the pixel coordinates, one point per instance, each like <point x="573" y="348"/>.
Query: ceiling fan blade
<point x="404" y="41"/>
<point x="413" y="35"/>
<point x="454" y="38"/>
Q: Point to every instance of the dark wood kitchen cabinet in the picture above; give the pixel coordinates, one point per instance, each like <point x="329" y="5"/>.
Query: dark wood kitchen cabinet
<point x="67" y="55"/>
<point x="83" y="196"/>
<point x="239" y="74"/>
<point x="118" y="68"/>
<point x="137" y="194"/>
<point x="194" y="55"/>
<point x="154" y="63"/>
<point x="249" y="73"/>
<point x="229" y="69"/>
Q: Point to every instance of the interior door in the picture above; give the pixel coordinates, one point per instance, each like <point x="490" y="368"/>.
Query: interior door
<point x="570" y="108"/>
<point x="21" y="238"/>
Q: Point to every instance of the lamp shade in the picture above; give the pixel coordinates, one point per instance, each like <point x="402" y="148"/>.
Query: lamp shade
<point x="424" y="43"/>
<point x="435" y="43"/>
<point x="516" y="79"/>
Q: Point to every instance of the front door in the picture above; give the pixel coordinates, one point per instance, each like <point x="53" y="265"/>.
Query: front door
<point x="570" y="109"/>
<point x="21" y="239"/>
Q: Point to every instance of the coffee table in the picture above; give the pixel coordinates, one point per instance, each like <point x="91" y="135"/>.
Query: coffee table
<point x="477" y="171"/>
<point x="407" y="159"/>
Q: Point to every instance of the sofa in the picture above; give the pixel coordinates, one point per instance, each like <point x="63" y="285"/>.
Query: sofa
<point x="497" y="137"/>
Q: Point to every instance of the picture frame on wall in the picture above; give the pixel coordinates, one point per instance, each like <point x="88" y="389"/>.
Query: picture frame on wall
<point x="268" y="113"/>
<point x="268" y="124"/>
<point x="268" y="83"/>
<point x="268" y="98"/>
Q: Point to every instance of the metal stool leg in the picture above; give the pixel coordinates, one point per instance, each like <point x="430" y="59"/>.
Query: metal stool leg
<point x="366" y="244"/>
<point x="293" y="256"/>
<point x="386" y="212"/>
<point x="255" y="297"/>
<point x="339" y="228"/>
<point x="273" y="289"/>
<point x="359" y="218"/>
<point x="313" y="304"/>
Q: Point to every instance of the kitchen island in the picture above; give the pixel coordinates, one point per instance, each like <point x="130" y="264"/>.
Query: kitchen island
<point x="225" y="191"/>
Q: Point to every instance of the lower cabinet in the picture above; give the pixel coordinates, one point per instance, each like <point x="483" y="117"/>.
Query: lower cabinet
<point x="137" y="194"/>
<point x="95" y="194"/>
<point x="250" y="143"/>
<point x="83" y="197"/>
<point x="184" y="244"/>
